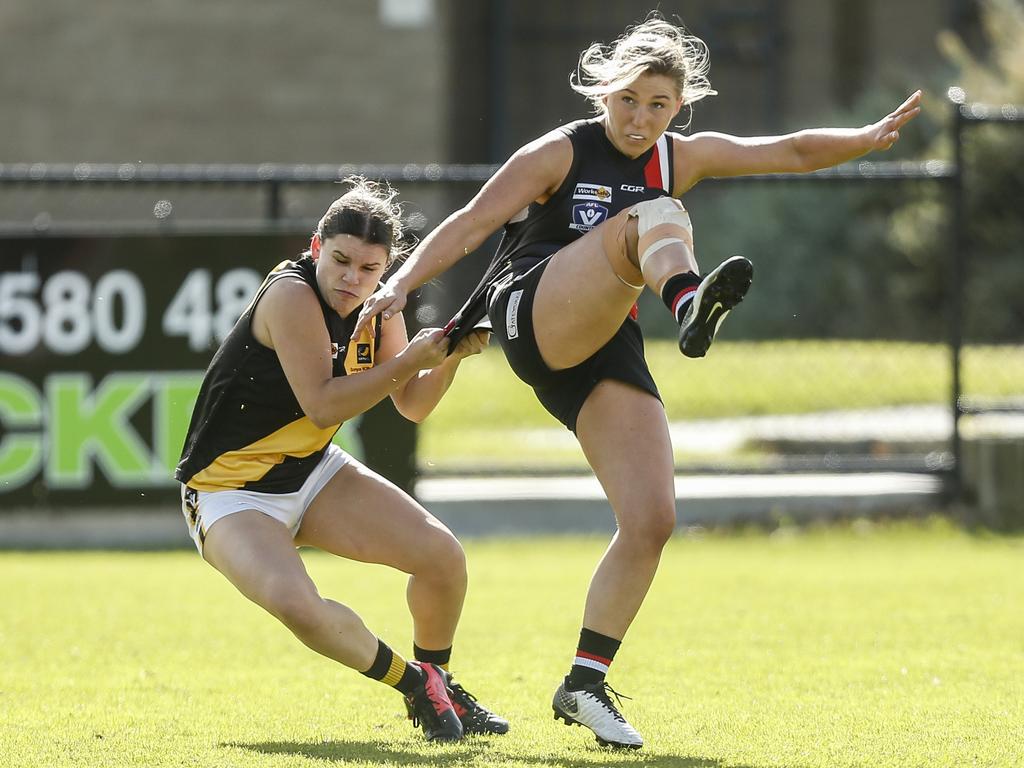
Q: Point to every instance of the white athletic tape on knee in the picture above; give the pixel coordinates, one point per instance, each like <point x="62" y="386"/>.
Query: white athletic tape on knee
<point x="657" y="213"/>
<point x="649" y="251"/>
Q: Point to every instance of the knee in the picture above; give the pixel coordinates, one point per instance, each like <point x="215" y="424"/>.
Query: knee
<point x="298" y="608"/>
<point x="661" y="222"/>
<point x="443" y="560"/>
<point x="653" y="528"/>
<point x="620" y="244"/>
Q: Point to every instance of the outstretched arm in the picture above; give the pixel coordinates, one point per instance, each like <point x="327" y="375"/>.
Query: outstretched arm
<point x="717" y="154"/>
<point x="532" y="173"/>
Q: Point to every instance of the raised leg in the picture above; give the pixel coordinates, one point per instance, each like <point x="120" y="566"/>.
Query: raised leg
<point x="590" y="285"/>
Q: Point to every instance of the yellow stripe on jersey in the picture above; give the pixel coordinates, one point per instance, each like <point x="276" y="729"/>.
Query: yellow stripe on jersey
<point x="395" y="671"/>
<point x="234" y="469"/>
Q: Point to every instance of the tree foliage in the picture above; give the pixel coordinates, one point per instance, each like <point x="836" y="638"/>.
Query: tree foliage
<point x="993" y="156"/>
<point x="872" y="259"/>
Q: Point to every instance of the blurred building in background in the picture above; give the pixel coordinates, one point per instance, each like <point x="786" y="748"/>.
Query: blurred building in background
<point x="395" y="81"/>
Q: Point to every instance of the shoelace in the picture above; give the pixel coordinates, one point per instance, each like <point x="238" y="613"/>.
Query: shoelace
<point x="475" y="714"/>
<point x="432" y="713"/>
<point x="601" y="692"/>
<point x="466" y="698"/>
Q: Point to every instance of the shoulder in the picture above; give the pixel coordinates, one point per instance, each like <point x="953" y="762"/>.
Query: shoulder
<point x="288" y="301"/>
<point x="289" y="286"/>
<point x="695" y="156"/>
<point x="542" y="164"/>
<point x="552" y="145"/>
<point x="681" y="144"/>
<point x="288" y="296"/>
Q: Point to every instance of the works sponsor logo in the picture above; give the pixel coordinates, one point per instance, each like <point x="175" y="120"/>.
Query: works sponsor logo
<point x="598" y="192"/>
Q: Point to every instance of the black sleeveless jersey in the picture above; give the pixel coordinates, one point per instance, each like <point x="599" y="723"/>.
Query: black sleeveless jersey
<point x="248" y="430"/>
<point x="601" y="182"/>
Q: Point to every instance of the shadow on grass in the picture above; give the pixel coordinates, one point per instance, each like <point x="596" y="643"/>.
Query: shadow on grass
<point x="467" y="752"/>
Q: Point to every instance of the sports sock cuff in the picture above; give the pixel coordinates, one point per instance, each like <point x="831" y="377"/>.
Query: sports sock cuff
<point x="381" y="662"/>
<point x="441" y="658"/>
<point x="677" y="289"/>
<point x="597" y="647"/>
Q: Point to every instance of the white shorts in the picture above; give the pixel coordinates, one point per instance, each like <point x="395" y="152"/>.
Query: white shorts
<point x="204" y="508"/>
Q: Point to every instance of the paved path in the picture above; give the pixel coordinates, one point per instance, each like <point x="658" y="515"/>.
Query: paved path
<point x="524" y="505"/>
<point x="483" y="506"/>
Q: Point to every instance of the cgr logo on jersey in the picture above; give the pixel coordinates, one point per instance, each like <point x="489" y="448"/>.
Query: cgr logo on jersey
<point x="632" y="188"/>
<point x="597" y="192"/>
<point x="586" y="216"/>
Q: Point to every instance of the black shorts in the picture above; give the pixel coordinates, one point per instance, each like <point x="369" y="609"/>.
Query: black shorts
<point x="562" y="393"/>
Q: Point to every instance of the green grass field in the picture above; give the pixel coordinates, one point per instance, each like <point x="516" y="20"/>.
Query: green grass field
<point x="866" y="645"/>
<point x="491" y="418"/>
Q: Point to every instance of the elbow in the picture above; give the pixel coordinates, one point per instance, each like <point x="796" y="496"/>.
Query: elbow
<point x="321" y="420"/>
<point x="801" y="158"/>
<point x="322" y="415"/>
<point x="415" y="415"/>
<point x="414" y="412"/>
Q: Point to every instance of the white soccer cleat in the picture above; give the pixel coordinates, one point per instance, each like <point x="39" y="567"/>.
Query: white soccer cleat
<point x="592" y="707"/>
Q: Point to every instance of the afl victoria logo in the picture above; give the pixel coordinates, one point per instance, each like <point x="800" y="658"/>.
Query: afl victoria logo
<point x="586" y="216"/>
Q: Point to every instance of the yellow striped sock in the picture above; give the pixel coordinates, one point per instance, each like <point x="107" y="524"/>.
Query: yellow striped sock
<point x="395" y="671"/>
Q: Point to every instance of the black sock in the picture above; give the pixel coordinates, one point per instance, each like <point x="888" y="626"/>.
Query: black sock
<point x="442" y="658"/>
<point x="593" y="657"/>
<point x="390" y="668"/>
<point x="678" y="292"/>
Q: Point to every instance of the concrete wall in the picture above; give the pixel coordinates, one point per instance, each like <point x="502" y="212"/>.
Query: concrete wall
<point x="238" y="81"/>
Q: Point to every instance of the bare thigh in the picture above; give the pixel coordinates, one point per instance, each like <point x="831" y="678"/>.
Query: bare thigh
<point x="580" y="302"/>
<point x="257" y="554"/>
<point x="362" y="516"/>
<point x="624" y="435"/>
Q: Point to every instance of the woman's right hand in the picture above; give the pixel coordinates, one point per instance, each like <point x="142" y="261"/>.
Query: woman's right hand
<point x="387" y="301"/>
<point x="427" y="349"/>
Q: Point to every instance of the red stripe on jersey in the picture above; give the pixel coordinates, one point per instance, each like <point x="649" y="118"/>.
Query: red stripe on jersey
<point x="593" y="657"/>
<point x="652" y="171"/>
<point x="634" y="311"/>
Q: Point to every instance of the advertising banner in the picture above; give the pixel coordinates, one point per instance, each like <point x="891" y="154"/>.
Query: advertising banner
<point x="103" y="343"/>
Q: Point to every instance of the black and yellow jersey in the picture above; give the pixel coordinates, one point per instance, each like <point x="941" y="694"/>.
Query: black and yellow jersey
<point x="248" y="430"/>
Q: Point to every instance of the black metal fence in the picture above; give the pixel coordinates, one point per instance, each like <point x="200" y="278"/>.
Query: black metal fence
<point x="59" y="219"/>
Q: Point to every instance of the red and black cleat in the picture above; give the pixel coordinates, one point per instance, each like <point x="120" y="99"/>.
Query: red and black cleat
<point x="430" y="707"/>
<point x="476" y="719"/>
